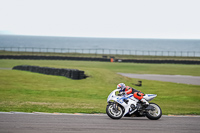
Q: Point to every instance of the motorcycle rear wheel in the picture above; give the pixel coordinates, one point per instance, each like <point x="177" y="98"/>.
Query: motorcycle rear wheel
<point x="113" y="113"/>
<point x="154" y="114"/>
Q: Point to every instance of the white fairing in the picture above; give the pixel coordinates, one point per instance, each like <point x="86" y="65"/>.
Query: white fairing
<point x="120" y="100"/>
<point x="149" y="97"/>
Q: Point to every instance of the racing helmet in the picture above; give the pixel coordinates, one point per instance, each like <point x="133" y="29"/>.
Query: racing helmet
<point x="121" y="86"/>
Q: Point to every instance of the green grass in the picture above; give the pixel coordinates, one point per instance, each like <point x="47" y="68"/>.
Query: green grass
<point x="32" y="92"/>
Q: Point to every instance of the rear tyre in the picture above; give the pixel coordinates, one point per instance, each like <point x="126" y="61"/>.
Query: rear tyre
<point x="114" y="112"/>
<point x="154" y="114"/>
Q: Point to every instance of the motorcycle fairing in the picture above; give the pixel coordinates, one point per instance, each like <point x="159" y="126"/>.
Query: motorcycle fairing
<point x="120" y="100"/>
<point x="149" y="97"/>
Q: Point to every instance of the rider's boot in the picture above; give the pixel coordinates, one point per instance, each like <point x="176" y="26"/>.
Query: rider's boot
<point x="145" y="103"/>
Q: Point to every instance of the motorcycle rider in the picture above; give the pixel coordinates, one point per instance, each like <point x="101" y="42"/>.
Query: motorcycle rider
<point x="129" y="90"/>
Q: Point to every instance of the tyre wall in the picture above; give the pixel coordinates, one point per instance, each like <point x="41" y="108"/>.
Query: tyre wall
<point x="69" y="73"/>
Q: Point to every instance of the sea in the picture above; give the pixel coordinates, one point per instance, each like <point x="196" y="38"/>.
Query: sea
<point x="171" y="47"/>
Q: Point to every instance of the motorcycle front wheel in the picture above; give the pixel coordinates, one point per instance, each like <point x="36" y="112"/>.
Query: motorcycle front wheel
<point x="114" y="111"/>
<point x="154" y="114"/>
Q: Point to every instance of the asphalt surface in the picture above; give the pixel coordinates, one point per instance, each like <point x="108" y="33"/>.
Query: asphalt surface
<point x="83" y="123"/>
<point x="194" y="80"/>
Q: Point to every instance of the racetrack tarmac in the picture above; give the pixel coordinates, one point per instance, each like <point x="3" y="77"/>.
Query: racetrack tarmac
<point x="194" y="80"/>
<point x="83" y="123"/>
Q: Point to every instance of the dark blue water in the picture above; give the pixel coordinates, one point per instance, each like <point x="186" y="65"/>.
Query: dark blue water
<point x="117" y="44"/>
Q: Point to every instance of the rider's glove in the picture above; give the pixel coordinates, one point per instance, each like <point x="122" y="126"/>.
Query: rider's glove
<point x="123" y="93"/>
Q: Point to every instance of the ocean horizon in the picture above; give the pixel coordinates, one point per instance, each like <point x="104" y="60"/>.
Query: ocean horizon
<point x="131" y="44"/>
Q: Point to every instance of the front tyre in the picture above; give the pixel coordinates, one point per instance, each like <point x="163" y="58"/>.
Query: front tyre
<point x="114" y="111"/>
<point x="154" y="114"/>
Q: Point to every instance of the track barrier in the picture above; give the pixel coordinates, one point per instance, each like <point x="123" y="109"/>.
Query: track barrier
<point x="69" y="73"/>
<point x="32" y="57"/>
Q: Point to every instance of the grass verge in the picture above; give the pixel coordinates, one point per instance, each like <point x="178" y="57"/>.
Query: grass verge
<point x="32" y="92"/>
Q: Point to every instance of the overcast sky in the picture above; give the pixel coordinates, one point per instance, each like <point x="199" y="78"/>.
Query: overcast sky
<point x="102" y="18"/>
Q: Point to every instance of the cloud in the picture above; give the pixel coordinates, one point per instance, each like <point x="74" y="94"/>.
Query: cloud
<point x="103" y="18"/>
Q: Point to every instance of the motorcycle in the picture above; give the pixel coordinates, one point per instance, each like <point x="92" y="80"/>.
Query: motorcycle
<point x="122" y="105"/>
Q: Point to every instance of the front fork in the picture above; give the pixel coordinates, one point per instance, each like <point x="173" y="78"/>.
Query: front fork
<point x="115" y="106"/>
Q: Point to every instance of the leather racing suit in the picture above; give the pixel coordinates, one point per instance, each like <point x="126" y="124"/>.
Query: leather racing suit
<point x="137" y="94"/>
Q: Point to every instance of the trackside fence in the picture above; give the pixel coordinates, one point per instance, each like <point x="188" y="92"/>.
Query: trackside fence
<point x="101" y="51"/>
